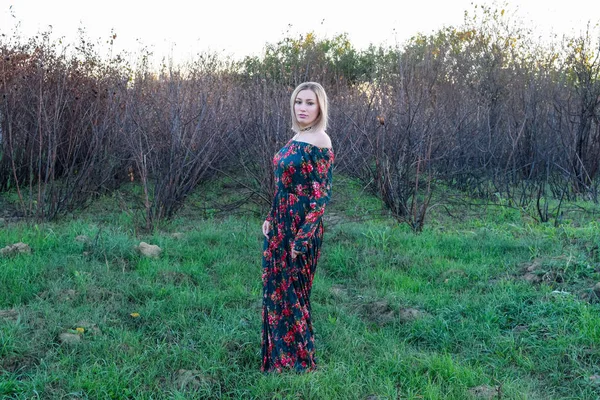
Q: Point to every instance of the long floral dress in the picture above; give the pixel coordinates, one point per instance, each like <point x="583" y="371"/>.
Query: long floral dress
<point x="303" y="187"/>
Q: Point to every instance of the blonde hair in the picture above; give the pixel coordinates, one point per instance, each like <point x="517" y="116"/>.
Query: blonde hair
<point x="321" y="121"/>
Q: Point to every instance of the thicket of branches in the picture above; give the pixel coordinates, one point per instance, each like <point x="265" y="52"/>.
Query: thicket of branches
<point x="483" y="108"/>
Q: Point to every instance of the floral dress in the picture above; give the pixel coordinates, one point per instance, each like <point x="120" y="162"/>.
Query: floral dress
<point x="303" y="187"/>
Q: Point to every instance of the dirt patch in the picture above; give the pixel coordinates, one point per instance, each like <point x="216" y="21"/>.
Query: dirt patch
<point x="520" y="329"/>
<point x="486" y="392"/>
<point x="9" y="212"/>
<point x="83" y="239"/>
<point x="332" y="219"/>
<point x="89" y="328"/>
<point x="241" y="353"/>
<point x="9" y="315"/>
<point x="36" y="322"/>
<point x="532" y="278"/>
<point x="339" y="291"/>
<point x="555" y="271"/>
<point x="191" y="379"/>
<point x="452" y="273"/>
<point x="177" y="278"/>
<point x="67" y="295"/>
<point x="177" y="235"/>
<point x="381" y="313"/>
<point x="58" y="296"/>
<point x="378" y="312"/>
<point x="593" y="251"/>
<point x="553" y="277"/>
<point x="100" y="294"/>
<point x="532" y="272"/>
<point x="401" y="262"/>
<point x="410" y="314"/>
<point x="19" y="363"/>
<point x="123" y="264"/>
<point x="591" y="295"/>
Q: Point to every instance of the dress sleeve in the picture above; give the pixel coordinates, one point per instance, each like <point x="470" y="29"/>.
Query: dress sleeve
<point x="269" y="217"/>
<point x="319" y="166"/>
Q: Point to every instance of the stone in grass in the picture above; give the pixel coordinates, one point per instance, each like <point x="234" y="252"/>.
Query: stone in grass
<point x="16" y="248"/>
<point x="595" y="379"/>
<point x="177" y="235"/>
<point x="486" y="392"/>
<point x="149" y="250"/>
<point x="68" y="338"/>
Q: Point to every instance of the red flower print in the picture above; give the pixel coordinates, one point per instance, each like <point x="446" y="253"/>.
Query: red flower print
<point x="303" y="185"/>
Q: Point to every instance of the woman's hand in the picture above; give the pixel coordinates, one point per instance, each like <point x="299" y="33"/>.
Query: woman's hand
<point x="266" y="228"/>
<point x="295" y="254"/>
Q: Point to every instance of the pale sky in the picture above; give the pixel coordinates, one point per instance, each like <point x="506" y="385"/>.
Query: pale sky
<point x="238" y="28"/>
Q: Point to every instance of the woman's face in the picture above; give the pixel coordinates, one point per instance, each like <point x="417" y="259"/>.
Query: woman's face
<point x="306" y="108"/>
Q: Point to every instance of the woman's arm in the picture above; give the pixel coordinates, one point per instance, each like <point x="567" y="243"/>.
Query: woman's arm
<point x="319" y="181"/>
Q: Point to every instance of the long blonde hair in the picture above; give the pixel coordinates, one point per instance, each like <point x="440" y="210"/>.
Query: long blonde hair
<point x="321" y="121"/>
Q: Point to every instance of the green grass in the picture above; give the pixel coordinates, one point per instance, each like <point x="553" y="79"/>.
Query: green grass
<point x="397" y="315"/>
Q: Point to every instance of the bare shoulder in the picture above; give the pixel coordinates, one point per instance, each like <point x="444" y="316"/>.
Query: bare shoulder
<point x="322" y="140"/>
<point x="318" y="139"/>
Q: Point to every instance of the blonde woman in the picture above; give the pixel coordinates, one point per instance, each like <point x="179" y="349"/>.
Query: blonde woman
<point x="293" y="233"/>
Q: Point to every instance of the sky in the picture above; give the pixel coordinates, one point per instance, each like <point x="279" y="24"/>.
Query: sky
<point x="181" y="29"/>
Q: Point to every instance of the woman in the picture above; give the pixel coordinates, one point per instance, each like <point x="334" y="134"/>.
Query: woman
<point x="294" y="233"/>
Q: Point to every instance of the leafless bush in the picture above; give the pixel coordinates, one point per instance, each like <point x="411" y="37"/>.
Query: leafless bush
<point x="482" y="108"/>
<point x="177" y="125"/>
<point x="58" y="132"/>
<point x="263" y="116"/>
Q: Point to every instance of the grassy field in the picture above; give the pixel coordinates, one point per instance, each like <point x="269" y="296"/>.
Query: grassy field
<point x="487" y="304"/>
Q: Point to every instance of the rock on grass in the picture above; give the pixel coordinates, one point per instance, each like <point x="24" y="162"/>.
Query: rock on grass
<point x="17" y="248"/>
<point x="149" y="250"/>
<point x="67" y="338"/>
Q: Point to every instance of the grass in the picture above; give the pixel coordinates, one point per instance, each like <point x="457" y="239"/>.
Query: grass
<point x="450" y="313"/>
